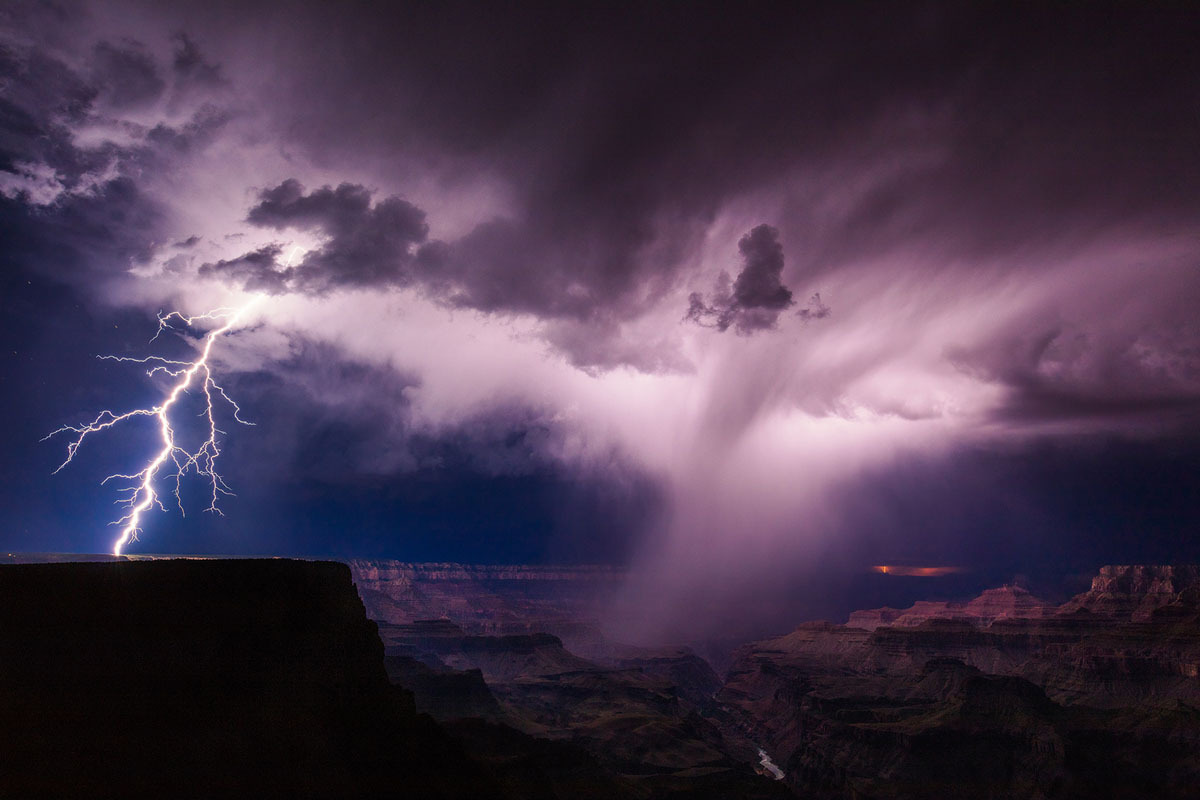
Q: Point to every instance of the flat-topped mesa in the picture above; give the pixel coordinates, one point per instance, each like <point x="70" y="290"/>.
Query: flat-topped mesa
<point x="1135" y="591"/>
<point x="1005" y="602"/>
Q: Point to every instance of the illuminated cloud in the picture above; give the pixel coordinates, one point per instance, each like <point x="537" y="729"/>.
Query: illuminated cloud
<point x="990" y="248"/>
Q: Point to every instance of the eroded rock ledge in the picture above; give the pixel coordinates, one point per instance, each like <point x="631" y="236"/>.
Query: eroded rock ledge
<point x="1001" y="696"/>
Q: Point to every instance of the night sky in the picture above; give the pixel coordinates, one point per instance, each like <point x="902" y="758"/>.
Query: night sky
<point x="747" y="296"/>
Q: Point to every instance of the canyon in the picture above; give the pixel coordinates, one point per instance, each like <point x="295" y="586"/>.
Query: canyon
<point x="212" y="677"/>
<point x="999" y="695"/>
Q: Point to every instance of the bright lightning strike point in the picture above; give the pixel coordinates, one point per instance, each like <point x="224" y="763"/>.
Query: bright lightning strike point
<point x="140" y="495"/>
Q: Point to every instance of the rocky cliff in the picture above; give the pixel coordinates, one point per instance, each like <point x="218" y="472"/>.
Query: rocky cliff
<point x="1135" y="592"/>
<point x="1001" y="696"/>
<point x="641" y="717"/>
<point x="491" y="600"/>
<point x="1006" y="602"/>
<point x="207" y="678"/>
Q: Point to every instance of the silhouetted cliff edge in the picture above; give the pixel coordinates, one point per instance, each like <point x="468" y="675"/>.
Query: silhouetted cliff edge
<point x="207" y="678"/>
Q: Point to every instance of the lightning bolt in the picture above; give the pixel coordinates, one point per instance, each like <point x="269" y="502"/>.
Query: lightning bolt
<point x="174" y="460"/>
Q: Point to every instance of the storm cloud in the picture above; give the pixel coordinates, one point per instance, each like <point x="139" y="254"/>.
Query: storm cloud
<point x="943" y="231"/>
<point x="364" y="244"/>
<point x="756" y="297"/>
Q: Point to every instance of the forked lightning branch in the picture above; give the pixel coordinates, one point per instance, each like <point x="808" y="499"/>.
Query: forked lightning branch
<point x="174" y="460"/>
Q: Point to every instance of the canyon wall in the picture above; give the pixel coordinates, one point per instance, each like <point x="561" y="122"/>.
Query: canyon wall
<point x="1002" y="696"/>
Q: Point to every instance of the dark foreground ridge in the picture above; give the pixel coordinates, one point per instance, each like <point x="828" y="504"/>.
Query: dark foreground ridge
<point x="207" y="678"/>
<point x="264" y="678"/>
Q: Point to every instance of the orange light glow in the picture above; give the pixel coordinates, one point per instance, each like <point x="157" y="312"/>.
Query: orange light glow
<point x="916" y="572"/>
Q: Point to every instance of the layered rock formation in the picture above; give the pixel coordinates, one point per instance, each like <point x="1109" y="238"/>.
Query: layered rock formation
<point x="641" y="717"/>
<point x="483" y="599"/>
<point x="1135" y="592"/>
<point x="1002" y="696"/>
<point x="1006" y="602"/>
<point x="491" y="600"/>
<point x="498" y="658"/>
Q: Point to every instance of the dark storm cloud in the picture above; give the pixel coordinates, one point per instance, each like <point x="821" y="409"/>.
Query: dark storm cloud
<point x="814" y="309"/>
<point x="758" y="284"/>
<point x="756" y="297"/>
<point x="1037" y="115"/>
<point x="597" y="344"/>
<point x="65" y="215"/>
<point x="501" y="441"/>
<point x="333" y="418"/>
<point x="369" y="242"/>
<point x="43" y="100"/>
<point x="1063" y="502"/>
<point x="499" y="267"/>
<point x="382" y="243"/>
<point x="166" y="141"/>
<point x="365" y="244"/>
<point x="1038" y="121"/>
<point x="82" y="237"/>
<point x="191" y="68"/>
<point x="613" y="162"/>
<point x="81" y="212"/>
<point x="128" y="75"/>
<point x="974" y="136"/>
<point x="256" y="271"/>
<point x="970" y="133"/>
<point x="923" y="157"/>
<point x="340" y="420"/>
<point x="343" y="457"/>
<point x="1053" y="373"/>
